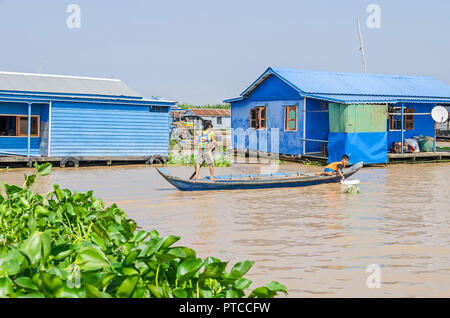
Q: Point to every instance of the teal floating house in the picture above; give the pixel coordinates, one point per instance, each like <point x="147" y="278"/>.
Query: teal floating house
<point x="67" y="116"/>
<point x="326" y="114"/>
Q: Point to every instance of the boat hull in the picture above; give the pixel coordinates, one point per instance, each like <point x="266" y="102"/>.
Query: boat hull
<point x="205" y="185"/>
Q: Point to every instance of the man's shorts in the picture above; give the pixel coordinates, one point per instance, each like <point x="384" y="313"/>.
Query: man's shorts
<point x="331" y="170"/>
<point x="205" y="155"/>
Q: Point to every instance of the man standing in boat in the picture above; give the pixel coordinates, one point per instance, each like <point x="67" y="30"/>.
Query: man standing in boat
<point x="335" y="168"/>
<point x="206" y="145"/>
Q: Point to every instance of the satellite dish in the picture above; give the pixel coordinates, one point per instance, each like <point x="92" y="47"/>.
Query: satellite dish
<point x="439" y="114"/>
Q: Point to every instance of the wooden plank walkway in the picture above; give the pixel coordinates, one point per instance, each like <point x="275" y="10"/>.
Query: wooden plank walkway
<point x="22" y="160"/>
<point x="419" y="156"/>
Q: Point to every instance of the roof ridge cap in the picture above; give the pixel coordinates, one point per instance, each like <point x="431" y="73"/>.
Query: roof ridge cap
<point x="60" y="76"/>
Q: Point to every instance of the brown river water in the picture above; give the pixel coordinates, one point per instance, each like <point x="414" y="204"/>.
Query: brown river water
<point x="318" y="241"/>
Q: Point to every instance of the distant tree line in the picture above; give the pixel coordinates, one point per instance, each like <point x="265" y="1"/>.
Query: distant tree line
<point x="216" y="106"/>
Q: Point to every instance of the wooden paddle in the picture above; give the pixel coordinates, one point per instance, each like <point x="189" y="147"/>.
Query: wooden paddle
<point x="193" y="175"/>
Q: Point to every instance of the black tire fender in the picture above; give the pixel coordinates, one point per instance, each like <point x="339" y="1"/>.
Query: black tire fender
<point x="155" y="159"/>
<point x="69" y="161"/>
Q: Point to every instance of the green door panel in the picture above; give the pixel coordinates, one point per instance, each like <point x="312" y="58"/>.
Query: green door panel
<point x="357" y="118"/>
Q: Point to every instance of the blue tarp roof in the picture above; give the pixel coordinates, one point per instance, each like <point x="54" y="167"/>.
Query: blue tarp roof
<point x="351" y="88"/>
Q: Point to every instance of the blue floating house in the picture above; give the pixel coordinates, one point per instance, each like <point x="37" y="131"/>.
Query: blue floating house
<point x="326" y="114"/>
<point x="68" y="116"/>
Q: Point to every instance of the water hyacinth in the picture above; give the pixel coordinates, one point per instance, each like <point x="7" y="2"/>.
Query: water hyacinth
<point x="177" y="158"/>
<point x="68" y="244"/>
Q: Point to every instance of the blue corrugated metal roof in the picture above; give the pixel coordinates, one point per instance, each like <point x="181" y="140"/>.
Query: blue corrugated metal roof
<point x="365" y="99"/>
<point x="357" y="87"/>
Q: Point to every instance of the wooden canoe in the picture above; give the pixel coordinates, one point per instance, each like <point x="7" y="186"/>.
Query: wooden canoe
<point x="255" y="181"/>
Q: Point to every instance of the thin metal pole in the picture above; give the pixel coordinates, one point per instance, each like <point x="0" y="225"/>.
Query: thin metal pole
<point x="29" y="130"/>
<point x="304" y="126"/>
<point x="49" y="129"/>
<point x="435" y="134"/>
<point x="434" y="140"/>
<point x="362" y="46"/>
<point x="403" y="133"/>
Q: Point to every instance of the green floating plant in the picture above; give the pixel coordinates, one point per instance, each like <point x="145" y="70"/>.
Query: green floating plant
<point x="67" y="244"/>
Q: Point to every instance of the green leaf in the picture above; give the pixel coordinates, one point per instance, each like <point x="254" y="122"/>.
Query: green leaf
<point x="128" y="271"/>
<point x="141" y="266"/>
<point x="90" y="258"/>
<point x="180" y="293"/>
<point x="29" y="180"/>
<point x="131" y="257"/>
<point x="127" y="287"/>
<point x="182" y="252"/>
<point x="6" y="287"/>
<point x="59" y="194"/>
<point x="140" y="292"/>
<point x="12" y="191"/>
<point x="214" y="270"/>
<point x="41" y="211"/>
<point x="67" y="292"/>
<point x="140" y="236"/>
<point x="262" y="292"/>
<point x="168" y="241"/>
<point x="92" y="291"/>
<point x="242" y="283"/>
<point x="24" y="202"/>
<point x="231" y="294"/>
<point x="51" y="284"/>
<point x="26" y="282"/>
<point x="156" y="291"/>
<point x="37" y="247"/>
<point x="205" y="292"/>
<point x="10" y="263"/>
<point x="276" y="287"/>
<point x="240" y="269"/>
<point x="44" y="169"/>
<point x="62" y="255"/>
<point x="188" y="268"/>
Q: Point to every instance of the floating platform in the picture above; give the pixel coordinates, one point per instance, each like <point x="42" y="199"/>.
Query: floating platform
<point x="438" y="156"/>
<point x="20" y="161"/>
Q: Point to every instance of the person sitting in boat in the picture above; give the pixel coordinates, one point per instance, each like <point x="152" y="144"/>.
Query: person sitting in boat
<point x="206" y="145"/>
<point x="335" y="168"/>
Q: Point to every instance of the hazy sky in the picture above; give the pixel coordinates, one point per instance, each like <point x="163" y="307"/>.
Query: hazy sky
<point x="206" y="51"/>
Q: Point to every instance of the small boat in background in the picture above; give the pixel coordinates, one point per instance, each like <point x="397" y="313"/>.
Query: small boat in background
<point x="256" y="181"/>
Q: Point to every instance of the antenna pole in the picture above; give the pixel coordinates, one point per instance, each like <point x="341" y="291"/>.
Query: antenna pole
<point x="361" y="48"/>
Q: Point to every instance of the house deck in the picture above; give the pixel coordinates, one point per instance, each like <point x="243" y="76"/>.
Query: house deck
<point x="439" y="156"/>
<point x="13" y="161"/>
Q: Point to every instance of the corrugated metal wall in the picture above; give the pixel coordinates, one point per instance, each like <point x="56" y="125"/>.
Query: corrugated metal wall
<point x="357" y="118"/>
<point x="89" y="129"/>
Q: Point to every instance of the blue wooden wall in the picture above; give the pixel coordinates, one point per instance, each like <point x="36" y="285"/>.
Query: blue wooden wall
<point x="274" y="94"/>
<point x="88" y="129"/>
<point x="19" y="145"/>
